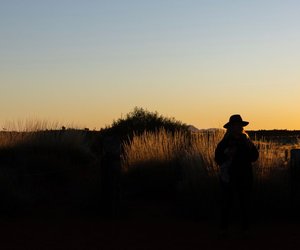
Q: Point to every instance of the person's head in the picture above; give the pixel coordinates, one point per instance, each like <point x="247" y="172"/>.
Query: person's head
<point x="235" y="125"/>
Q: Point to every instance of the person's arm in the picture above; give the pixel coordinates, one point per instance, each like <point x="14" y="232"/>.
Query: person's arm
<point x="220" y="156"/>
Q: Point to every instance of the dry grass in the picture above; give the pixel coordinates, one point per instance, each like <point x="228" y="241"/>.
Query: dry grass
<point x="271" y="157"/>
<point x="39" y="161"/>
<point x="30" y="125"/>
<point x="195" y="155"/>
<point x="153" y="148"/>
<point x="40" y="134"/>
<point x="186" y="163"/>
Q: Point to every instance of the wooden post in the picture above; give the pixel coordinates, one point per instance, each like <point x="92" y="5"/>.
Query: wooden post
<point x="295" y="176"/>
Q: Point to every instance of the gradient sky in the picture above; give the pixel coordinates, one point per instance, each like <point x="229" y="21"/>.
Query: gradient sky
<point x="89" y="62"/>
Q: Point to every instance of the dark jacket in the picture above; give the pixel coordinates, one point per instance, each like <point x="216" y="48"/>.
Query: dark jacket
<point x="243" y="153"/>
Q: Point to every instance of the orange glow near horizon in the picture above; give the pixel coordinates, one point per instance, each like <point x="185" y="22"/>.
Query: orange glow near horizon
<point x="91" y="62"/>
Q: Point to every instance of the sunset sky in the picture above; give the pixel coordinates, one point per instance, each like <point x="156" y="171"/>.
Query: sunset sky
<point x="90" y="62"/>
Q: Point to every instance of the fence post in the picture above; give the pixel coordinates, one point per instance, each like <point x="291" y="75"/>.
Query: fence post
<point x="295" y="176"/>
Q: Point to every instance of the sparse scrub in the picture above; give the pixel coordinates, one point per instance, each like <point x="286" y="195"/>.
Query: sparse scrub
<point x="149" y="148"/>
<point x="40" y="138"/>
<point x="272" y="180"/>
<point x="40" y="163"/>
<point x="193" y="157"/>
<point x="30" y="125"/>
<point x="151" y="160"/>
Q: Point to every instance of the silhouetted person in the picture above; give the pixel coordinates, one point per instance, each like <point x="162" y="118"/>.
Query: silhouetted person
<point x="234" y="155"/>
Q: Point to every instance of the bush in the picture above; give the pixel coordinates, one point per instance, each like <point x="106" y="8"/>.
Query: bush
<point x="140" y="120"/>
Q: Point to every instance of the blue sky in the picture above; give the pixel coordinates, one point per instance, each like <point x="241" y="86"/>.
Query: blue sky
<point x="88" y="62"/>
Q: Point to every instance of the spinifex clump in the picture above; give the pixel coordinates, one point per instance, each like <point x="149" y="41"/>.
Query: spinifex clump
<point x="186" y="163"/>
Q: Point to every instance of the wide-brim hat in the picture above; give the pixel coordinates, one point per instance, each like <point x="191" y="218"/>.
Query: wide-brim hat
<point x="236" y="119"/>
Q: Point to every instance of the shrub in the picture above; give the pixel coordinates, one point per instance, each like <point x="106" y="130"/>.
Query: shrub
<point x="140" y="120"/>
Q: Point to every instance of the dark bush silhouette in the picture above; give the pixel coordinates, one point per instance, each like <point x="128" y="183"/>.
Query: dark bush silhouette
<point x="140" y="120"/>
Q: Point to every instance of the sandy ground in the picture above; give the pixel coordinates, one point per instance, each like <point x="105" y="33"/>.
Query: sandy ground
<point x="143" y="232"/>
<point x="124" y="234"/>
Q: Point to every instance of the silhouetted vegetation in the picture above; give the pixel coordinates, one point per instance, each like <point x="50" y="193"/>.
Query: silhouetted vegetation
<point x="282" y="136"/>
<point x="140" y="120"/>
<point x="50" y="168"/>
<point x="77" y="168"/>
